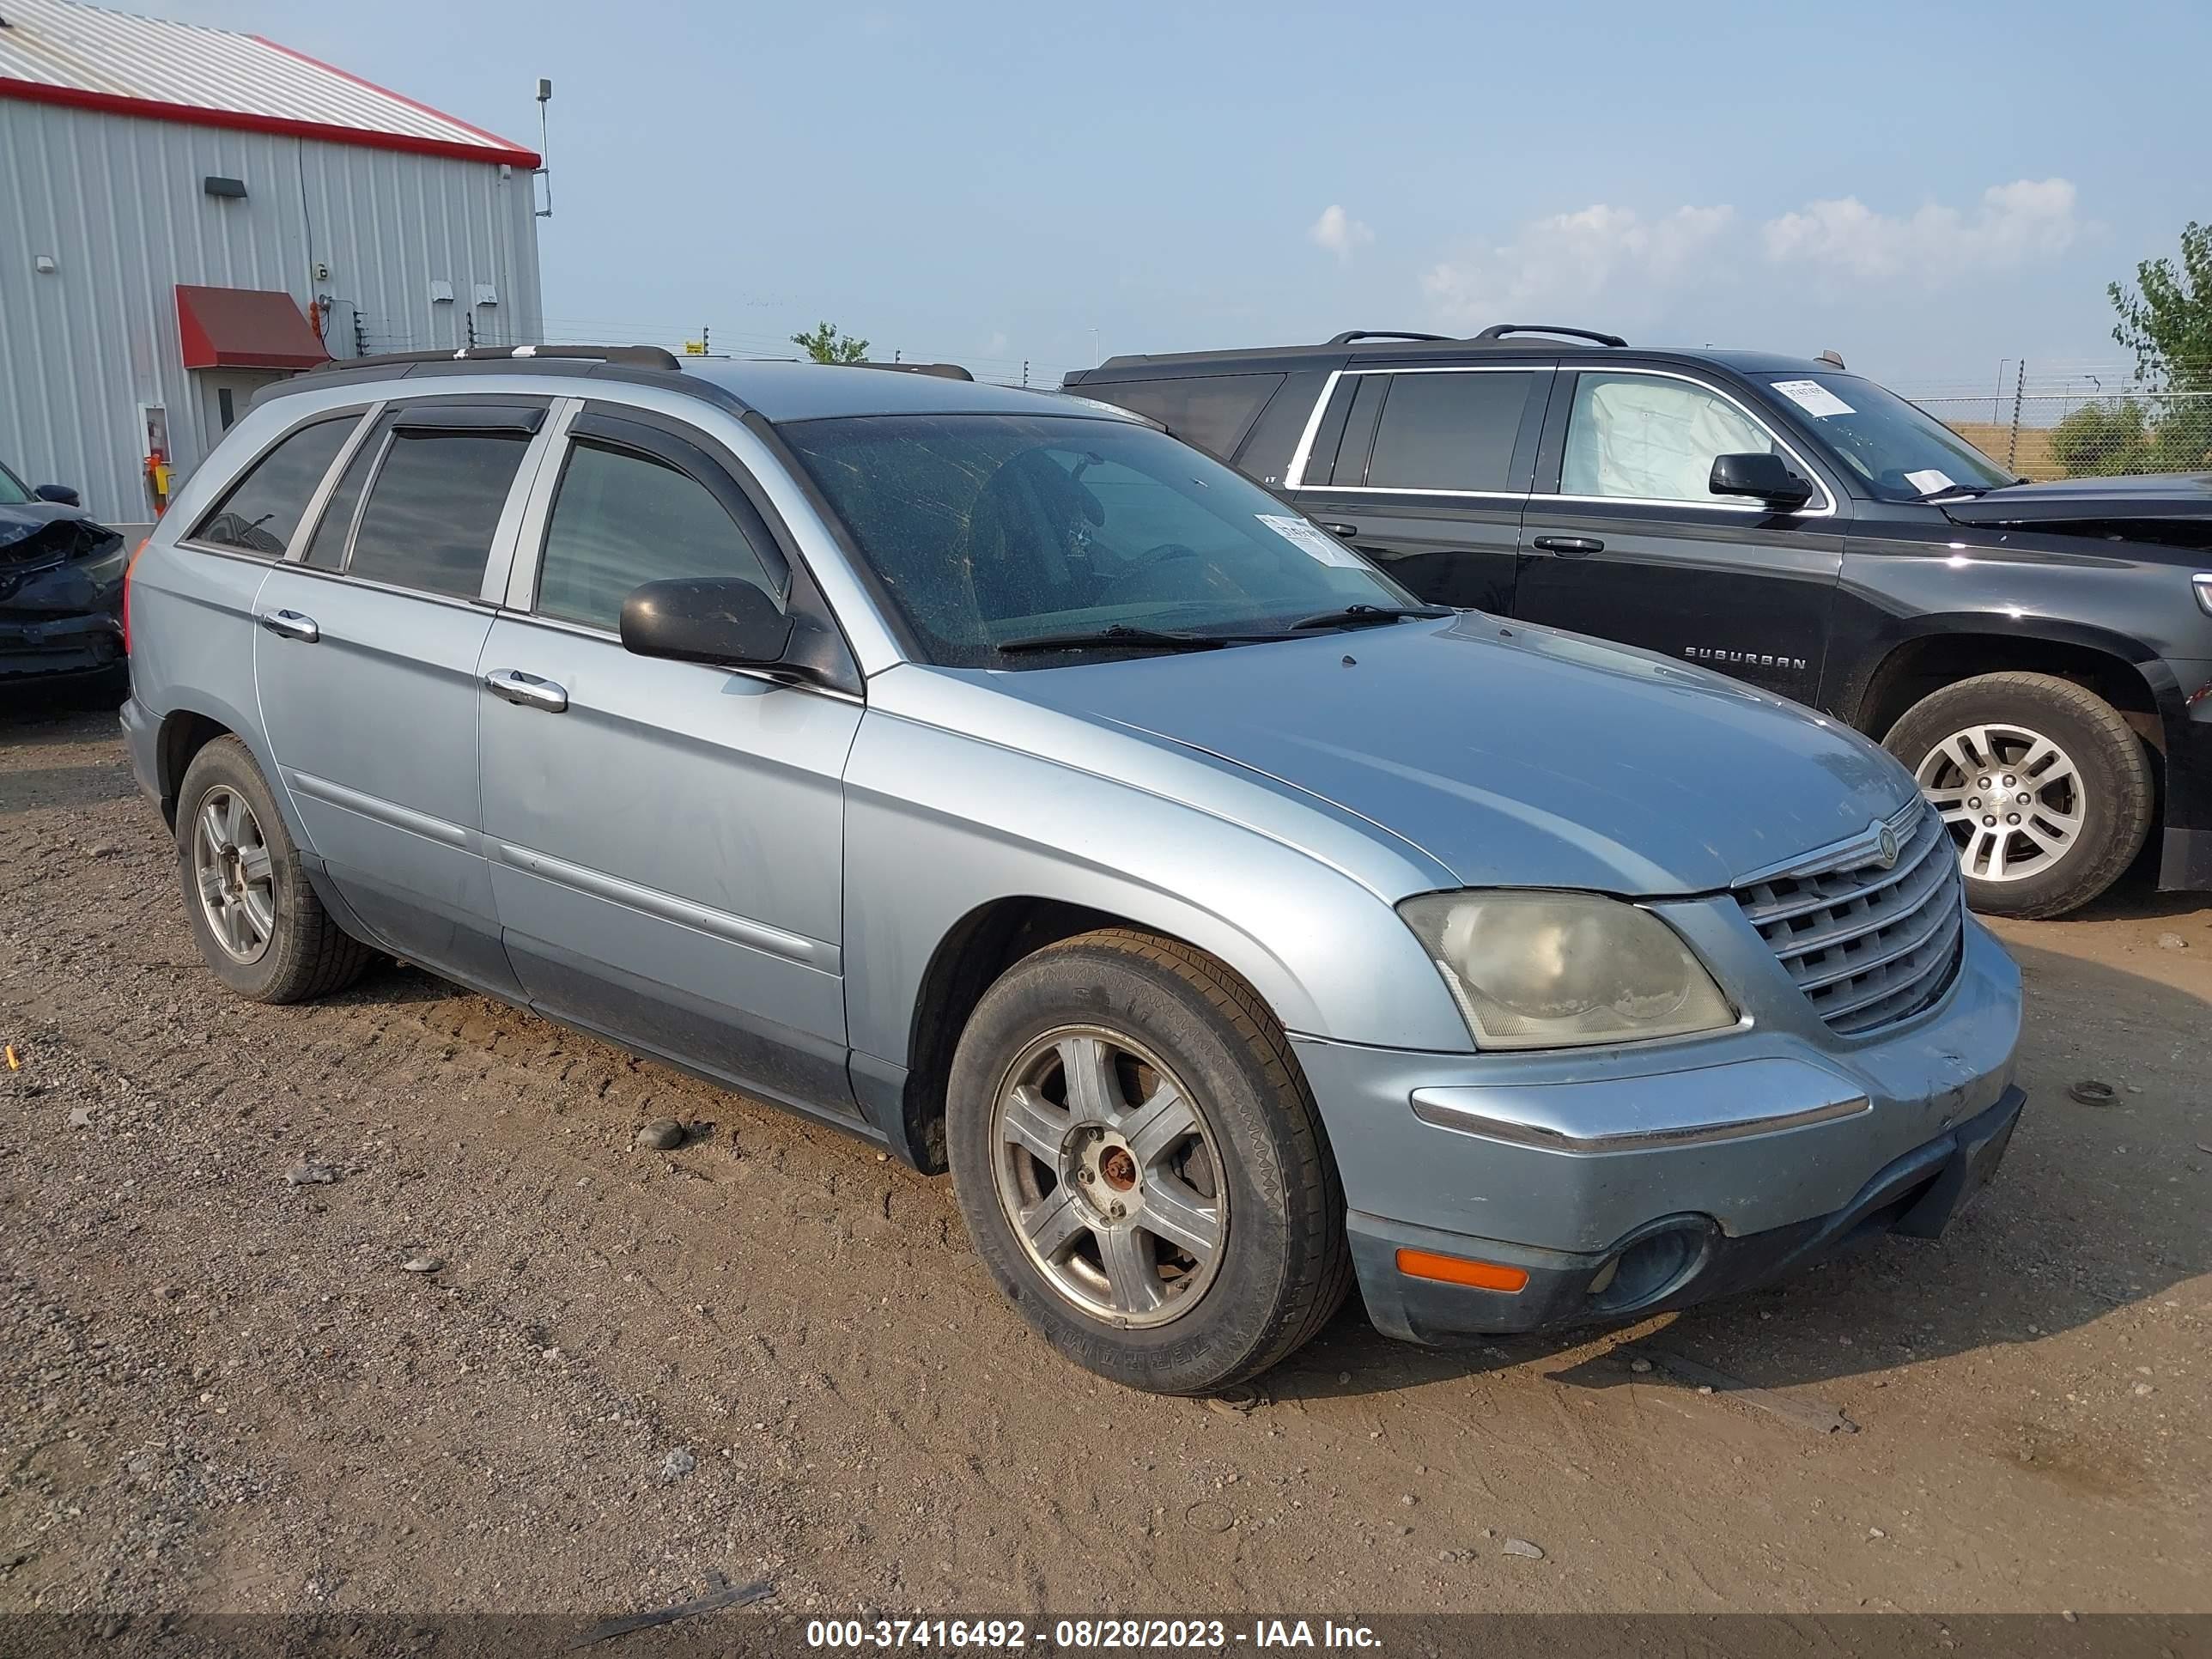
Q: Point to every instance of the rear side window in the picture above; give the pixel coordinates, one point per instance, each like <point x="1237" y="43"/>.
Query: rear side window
<point x="1213" y="411"/>
<point x="430" y="517"/>
<point x="1448" y="431"/>
<point x="1267" y="447"/>
<point x="623" y="519"/>
<point x="260" y="513"/>
<point x="326" y="547"/>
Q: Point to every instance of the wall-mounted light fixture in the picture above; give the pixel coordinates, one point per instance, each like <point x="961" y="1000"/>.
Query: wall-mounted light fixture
<point x="216" y="184"/>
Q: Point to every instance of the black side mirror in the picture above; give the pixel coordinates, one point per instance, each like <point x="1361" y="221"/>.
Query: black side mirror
<point x="60" y="495"/>
<point x="1762" y="475"/>
<point x="719" y="620"/>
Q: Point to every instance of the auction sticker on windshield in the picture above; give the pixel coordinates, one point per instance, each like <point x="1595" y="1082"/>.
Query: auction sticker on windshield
<point x="1813" y="398"/>
<point x="1307" y="538"/>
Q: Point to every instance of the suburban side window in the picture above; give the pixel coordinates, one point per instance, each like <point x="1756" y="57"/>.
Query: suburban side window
<point x="1449" y="431"/>
<point x="1266" y="452"/>
<point x="430" y="515"/>
<point x="621" y="518"/>
<point x="1209" y="410"/>
<point x="1651" y="438"/>
<point x="260" y="512"/>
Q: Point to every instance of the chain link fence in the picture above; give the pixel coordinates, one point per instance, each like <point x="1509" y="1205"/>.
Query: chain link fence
<point x="2081" y="420"/>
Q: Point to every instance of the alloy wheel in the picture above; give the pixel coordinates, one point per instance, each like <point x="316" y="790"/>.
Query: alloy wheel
<point x="235" y="876"/>
<point x="2012" y="799"/>
<point x="1110" y="1175"/>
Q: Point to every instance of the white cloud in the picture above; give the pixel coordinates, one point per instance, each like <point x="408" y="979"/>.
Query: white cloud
<point x="2027" y="219"/>
<point x="1339" y="232"/>
<point x="1556" y="264"/>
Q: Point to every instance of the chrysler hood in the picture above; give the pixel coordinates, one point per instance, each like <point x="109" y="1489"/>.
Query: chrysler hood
<point x="1512" y="755"/>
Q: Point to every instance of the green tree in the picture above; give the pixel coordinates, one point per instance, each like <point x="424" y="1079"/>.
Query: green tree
<point x="2165" y="320"/>
<point x="2102" y="439"/>
<point x="825" y="344"/>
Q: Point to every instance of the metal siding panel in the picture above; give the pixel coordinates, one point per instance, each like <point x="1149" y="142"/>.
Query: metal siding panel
<point x="118" y="201"/>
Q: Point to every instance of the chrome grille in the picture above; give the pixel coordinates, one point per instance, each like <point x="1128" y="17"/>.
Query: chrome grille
<point x="1869" y="946"/>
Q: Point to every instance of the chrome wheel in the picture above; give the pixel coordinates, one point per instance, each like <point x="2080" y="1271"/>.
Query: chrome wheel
<point x="1110" y="1176"/>
<point x="232" y="869"/>
<point x="2012" y="797"/>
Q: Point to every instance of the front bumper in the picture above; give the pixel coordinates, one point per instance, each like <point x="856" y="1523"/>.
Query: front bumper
<point x="63" y="620"/>
<point x="1675" y="1260"/>
<point x="52" y="647"/>
<point x="2185" y="846"/>
<point x="1637" y="1179"/>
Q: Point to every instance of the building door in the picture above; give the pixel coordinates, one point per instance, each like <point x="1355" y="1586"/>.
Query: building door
<point x="223" y="396"/>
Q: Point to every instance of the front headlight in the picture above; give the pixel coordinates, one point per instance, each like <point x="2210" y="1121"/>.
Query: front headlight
<point x="1555" y="970"/>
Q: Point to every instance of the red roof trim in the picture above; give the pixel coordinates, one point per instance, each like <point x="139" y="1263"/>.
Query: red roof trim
<point x="492" y="139"/>
<point x="192" y="115"/>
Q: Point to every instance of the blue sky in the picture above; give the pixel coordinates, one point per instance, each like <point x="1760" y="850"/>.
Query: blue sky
<point x="1928" y="189"/>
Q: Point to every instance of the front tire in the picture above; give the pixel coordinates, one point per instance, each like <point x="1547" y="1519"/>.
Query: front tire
<point x="2045" y="787"/>
<point x="257" y="920"/>
<point x="1141" y="1165"/>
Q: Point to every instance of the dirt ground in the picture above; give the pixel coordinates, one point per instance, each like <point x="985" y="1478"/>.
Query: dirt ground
<point x="219" y="1391"/>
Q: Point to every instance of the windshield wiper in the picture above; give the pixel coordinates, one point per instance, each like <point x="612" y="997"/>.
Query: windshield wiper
<point x="1120" y="634"/>
<point x="1368" y="615"/>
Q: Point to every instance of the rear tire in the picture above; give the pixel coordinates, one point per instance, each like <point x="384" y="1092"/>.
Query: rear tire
<point x="1079" y="1222"/>
<point x="2044" y="786"/>
<point x="253" y="914"/>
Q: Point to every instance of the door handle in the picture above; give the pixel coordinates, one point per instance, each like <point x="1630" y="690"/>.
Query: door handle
<point x="526" y="690"/>
<point x="291" y="625"/>
<point x="1347" y="531"/>
<point x="1570" y="547"/>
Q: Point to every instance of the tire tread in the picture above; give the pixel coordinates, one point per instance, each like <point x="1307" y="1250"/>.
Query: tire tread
<point x="315" y="957"/>
<point x="1322" y="1258"/>
<point x="2130" y="810"/>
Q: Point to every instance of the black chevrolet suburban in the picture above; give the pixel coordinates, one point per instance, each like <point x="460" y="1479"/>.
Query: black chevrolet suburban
<point x="2039" y="655"/>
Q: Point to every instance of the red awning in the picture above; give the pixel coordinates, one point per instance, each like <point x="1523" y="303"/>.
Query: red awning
<point x="245" y="328"/>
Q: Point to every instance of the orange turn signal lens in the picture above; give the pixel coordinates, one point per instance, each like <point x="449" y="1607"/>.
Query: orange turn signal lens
<point x="1458" y="1270"/>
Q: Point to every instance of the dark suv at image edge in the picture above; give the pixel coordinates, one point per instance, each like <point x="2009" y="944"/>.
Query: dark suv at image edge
<point x="2038" y="655"/>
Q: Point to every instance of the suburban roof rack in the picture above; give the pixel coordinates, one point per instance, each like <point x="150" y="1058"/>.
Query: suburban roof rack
<point x="941" y="371"/>
<point x="634" y="356"/>
<point x="1351" y="334"/>
<point x="1499" y="330"/>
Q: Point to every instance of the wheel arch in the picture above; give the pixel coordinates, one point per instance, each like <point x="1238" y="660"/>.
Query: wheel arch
<point x="1950" y="650"/>
<point x="187" y="726"/>
<point x="967" y="961"/>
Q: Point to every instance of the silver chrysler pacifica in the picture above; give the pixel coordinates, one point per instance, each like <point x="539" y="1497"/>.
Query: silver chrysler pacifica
<point x="988" y="774"/>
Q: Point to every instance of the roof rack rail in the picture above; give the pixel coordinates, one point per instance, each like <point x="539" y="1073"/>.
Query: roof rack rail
<point x="1499" y="330"/>
<point x="634" y="356"/>
<point x="941" y="371"/>
<point x="1351" y="334"/>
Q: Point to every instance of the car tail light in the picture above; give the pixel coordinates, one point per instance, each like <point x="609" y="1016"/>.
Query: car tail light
<point x="135" y="553"/>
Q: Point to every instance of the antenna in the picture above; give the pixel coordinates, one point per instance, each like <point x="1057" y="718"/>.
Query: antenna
<point x="545" y="97"/>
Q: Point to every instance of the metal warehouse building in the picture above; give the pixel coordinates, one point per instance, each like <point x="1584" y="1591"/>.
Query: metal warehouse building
<point x="187" y="214"/>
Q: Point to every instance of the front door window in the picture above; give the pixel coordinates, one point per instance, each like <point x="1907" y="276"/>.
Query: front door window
<point x="1646" y="437"/>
